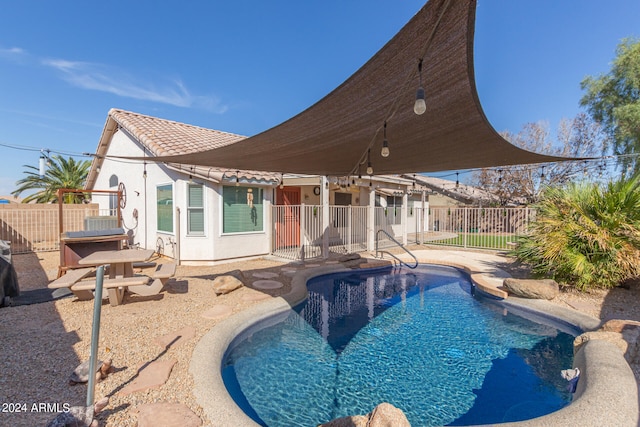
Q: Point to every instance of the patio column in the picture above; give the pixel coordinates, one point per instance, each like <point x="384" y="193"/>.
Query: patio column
<point x="324" y="185"/>
<point x="371" y="220"/>
<point x="404" y="216"/>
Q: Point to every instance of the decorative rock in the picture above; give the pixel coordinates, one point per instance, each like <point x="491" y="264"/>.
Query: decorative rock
<point x="612" y="337"/>
<point x="174" y="339"/>
<point x="629" y="332"/>
<point x="80" y="416"/>
<point x="265" y="275"/>
<point x="532" y="288"/>
<point x="225" y="284"/>
<point x="267" y="284"/>
<point x="383" y="415"/>
<point x="81" y="373"/>
<point x="387" y="415"/>
<point x="150" y="376"/>
<point x="217" y="312"/>
<point x="349" y="257"/>
<point x="167" y="415"/>
<point x="619" y="325"/>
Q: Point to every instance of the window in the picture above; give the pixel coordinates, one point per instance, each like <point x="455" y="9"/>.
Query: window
<point x="195" y="209"/>
<point x="113" y="198"/>
<point x="242" y="209"/>
<point x="165" y="207"/>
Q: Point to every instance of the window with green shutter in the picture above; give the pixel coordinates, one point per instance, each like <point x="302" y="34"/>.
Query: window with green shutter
<point x="242" y="209"/>
<point x="195" y="209"/>
<point x="164" y="202"/>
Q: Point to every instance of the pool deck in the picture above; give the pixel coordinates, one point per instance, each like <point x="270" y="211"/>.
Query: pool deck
<point x="606" y="395"/>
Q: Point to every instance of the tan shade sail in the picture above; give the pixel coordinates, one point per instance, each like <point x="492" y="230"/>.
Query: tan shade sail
<point x="333" y="136"/>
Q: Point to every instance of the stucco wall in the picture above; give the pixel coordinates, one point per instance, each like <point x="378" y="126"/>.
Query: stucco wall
<point x="141" y="197"/>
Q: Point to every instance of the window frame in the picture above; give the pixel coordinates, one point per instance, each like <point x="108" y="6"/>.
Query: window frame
<point x="263" y="201"/>
<point x="191" y="209"/>
<point x="173" y="225"/>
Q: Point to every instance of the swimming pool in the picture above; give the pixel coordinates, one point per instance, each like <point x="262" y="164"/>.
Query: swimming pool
<point x="420" y="341"/>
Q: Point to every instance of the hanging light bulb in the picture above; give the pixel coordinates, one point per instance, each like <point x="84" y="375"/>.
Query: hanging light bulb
<point x="457" y="181"/>
<point x="237" y="178"/>
<point x="499" y="175"/>
<point x="385" y="143"/>
<point x="420" y="105"/>
<point x="369" y="167"/>
<point x="281" y="181"/>
<point x="542" y="173"/>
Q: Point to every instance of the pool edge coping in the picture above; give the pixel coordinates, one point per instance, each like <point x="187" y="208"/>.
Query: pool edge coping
<point x="607" y="393"/>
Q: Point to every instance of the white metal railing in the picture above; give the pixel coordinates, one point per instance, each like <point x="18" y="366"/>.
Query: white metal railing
<point x="301" y="236"/>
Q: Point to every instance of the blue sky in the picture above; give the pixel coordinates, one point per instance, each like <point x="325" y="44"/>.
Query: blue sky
<point x="245" y="66"/>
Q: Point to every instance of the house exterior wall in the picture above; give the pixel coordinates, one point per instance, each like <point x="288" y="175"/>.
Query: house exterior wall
<point x="141" y="199"/>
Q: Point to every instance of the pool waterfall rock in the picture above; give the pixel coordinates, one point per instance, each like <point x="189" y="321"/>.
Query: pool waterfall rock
<point x="532" y="288"/>
<point x="383" y="415"/>
<point x="624" y="334"/>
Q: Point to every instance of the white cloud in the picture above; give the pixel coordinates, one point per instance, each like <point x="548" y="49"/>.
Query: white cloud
<point x="14" y="54"/>
<point x="115" y="81"/>
<point x="104" y="78"/>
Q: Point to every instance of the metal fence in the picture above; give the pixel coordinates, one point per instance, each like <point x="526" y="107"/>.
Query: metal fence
<point x="470" y="227"/>
<point x="36" y="228"/>
<point x="298" y="231"/>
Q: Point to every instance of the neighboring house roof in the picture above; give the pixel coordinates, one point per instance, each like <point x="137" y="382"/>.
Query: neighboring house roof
<point x="162" y="137"/>
<point x="461" y="192"/>
<point x="9" y="199"/>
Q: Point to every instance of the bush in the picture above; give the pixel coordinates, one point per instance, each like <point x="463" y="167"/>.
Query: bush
<point x="586" y="235"/>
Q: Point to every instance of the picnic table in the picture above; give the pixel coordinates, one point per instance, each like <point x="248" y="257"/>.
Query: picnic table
<point x="120" y="278"/>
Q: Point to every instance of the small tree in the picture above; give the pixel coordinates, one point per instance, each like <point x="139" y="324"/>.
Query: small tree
<point x="586" y="235"/>
<point x="579" y="137"/>
<point x="61" y="173"/>
<point x="613" y="99"/>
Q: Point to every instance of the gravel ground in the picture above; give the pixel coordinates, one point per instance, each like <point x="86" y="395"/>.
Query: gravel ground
<point x="41" y="344"/>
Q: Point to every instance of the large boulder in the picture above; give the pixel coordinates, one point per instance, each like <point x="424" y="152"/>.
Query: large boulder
<point x="532" y="288"/>
<point x="387" y="415"/>
<point x="227" y="283"/>
<point x="383" y="415"/>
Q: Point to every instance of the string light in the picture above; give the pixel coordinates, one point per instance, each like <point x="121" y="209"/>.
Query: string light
<point x="420" y="105"/>
<point x="385" y="143"/>
<point x="369" y="167"/>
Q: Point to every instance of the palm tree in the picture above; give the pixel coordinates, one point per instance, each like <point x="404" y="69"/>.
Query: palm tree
<point x="61" y="173"/>
<point x="586" y="235"/>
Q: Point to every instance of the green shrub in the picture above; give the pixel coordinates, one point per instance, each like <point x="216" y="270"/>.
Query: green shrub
<point x="586" y="235"/>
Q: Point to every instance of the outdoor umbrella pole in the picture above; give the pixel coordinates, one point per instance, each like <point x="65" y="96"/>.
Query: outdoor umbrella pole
<point x="95" y="336"/>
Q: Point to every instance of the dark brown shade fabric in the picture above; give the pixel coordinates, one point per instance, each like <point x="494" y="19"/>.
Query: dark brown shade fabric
<point x="334" y="136"/>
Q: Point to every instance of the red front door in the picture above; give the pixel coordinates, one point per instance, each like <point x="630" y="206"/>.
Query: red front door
<point x="288" y="221"/>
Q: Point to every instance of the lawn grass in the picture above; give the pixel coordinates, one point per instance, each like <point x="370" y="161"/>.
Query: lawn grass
<point x="483" y="241"/>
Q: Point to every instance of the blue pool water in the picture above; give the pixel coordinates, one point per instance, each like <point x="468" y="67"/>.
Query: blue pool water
<point x="419" y="340"/>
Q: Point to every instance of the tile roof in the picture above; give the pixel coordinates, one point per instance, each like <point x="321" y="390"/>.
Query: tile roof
<point x="165" y="137"/>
